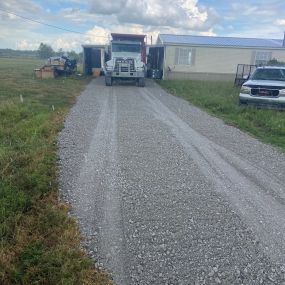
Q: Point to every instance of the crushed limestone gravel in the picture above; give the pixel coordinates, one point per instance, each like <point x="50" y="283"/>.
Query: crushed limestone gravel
<point x="166" y="194"/>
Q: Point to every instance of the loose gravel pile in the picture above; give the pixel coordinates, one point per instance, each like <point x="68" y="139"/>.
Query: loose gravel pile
<point x="166" y="194"/>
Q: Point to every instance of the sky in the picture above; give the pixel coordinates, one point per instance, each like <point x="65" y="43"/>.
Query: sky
<point x="95" y="19"/>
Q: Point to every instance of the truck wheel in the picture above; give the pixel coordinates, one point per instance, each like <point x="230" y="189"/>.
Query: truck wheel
<point x="141" y="82"/>
<point x="108" y="80"/>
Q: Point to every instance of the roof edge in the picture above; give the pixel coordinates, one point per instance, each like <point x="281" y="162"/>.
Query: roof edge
<point x="129" y="35"/>
<point x="224" y="37"/>
<point x="222" y="46"/>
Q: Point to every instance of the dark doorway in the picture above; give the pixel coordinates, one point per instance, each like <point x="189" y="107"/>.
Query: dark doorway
<point x="92" y="59"/>
<point x="155" y="60"/>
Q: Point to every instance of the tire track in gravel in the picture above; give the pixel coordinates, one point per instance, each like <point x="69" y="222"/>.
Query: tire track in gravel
<point x="249" y="189"/>
<point x="98" y="183"/>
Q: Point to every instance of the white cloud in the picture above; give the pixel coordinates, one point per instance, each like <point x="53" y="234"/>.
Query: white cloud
<point x="255" y="32"/>
<point x="27" y="45"/>
<point x="123" y="16"/>
<point x="158" y="13"/>
<point x="138" y="17"/>
<point x="97" y="35"/>
<point x="192" y="11"/>
<point x="208" y="33"/>
<point x="97" y="19"/>
<point x="27" y="6"/>
<point x="280" y="22"/>
<point x="261" y="9"/>
<point x="107" y="7"/>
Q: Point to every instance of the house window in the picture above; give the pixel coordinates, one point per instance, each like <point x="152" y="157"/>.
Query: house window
<point x="183" y="56"/>
<point x="262" y="57"/>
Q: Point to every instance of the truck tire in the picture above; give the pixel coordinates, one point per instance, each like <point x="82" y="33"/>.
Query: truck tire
<point x="141" y="82"/>
<point x="108" y="80"/>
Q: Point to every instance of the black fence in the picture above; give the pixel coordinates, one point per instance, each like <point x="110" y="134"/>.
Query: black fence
<point x="243" y="73"/>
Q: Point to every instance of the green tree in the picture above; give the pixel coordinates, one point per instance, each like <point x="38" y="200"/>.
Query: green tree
<point x="45" y="51"/>
<point x="60" y="52"/>
<point x="72" y="54"/>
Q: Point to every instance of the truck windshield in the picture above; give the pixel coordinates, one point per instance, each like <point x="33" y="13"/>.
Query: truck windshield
<point x="269" y="74"/>
<point x="126" y="48"/>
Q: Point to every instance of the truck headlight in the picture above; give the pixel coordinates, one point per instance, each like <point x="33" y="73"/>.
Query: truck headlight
<point x="245" y="90"/>
<point x="109" y="67"/>
<point x="282" y="92"/>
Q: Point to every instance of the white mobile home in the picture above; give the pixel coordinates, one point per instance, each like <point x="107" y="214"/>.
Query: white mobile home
<point x="215" y="58"/>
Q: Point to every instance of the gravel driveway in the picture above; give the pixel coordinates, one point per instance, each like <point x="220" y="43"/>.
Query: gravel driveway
<point x="166" y="194"/>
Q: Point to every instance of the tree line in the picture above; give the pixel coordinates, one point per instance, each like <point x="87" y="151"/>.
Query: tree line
<point x="44" y="51"/>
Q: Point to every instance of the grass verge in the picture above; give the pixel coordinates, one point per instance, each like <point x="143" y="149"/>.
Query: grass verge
<point x="39" y="242"/>
<point x="221" y="100"/>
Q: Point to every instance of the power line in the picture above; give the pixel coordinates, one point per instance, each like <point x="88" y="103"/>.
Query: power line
<point x="46" y="24"/>
<point x="39" y="22"/>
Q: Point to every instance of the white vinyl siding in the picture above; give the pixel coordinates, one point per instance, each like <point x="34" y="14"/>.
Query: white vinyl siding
<point x="218" y="60"/>
<point x="184" y="56"/>
<point x="262" y="57"/>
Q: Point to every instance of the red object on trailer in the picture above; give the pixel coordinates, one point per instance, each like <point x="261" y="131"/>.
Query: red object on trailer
<point x="133" y="38"/>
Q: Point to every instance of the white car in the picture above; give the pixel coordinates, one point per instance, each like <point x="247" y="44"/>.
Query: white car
<point x="266" y="86"/>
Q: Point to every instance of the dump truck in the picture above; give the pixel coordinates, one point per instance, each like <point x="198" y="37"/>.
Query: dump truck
<point x="127" y="59"/>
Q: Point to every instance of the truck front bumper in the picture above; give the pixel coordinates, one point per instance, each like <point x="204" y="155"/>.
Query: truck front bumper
<point x="258" y="100"/>
<point x="131" y="74"/>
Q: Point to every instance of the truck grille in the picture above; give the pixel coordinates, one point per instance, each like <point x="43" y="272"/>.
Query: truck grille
<point x="267" y="91"/>
<point x="124" y="65"/>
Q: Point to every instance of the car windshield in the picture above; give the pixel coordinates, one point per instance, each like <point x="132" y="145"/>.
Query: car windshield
<point x="269" y="74"/>
<point x="126" y="48"/>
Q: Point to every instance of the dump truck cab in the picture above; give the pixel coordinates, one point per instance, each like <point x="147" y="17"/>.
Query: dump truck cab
<point x="126" y="61"/>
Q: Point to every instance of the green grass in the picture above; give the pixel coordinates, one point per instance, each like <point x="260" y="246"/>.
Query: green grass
<point x="221" y="100"/>
<point x="39" y="242"/>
